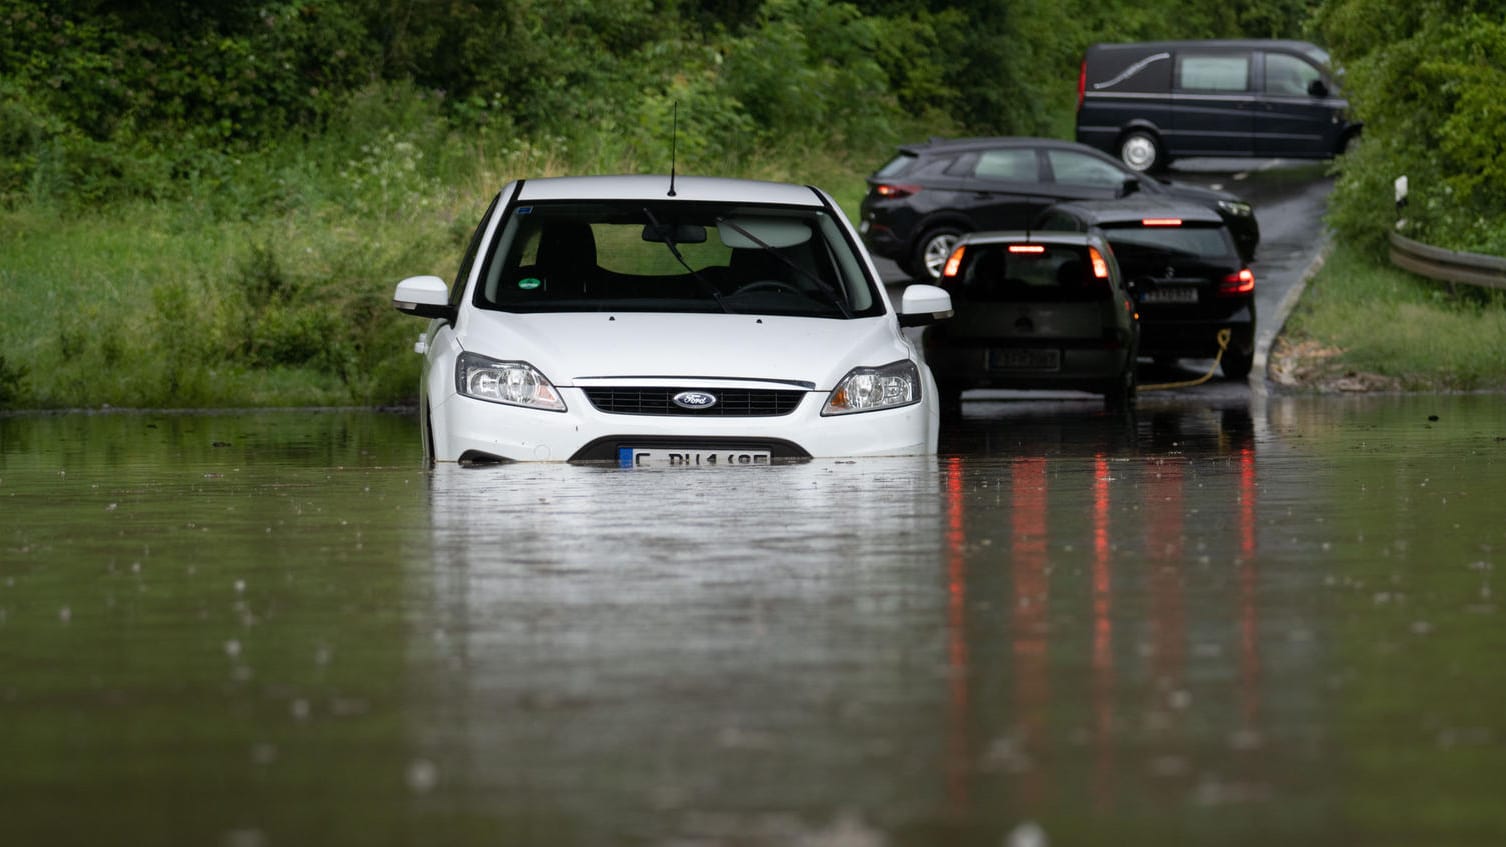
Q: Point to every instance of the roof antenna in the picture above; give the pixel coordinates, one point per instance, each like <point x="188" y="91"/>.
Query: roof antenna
<point x="674" y="138"/>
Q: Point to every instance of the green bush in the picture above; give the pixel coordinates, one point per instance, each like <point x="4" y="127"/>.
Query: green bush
<point x="1426" y="80"/>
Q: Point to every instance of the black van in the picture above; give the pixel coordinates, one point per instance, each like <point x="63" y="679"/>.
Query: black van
<point x="1151" y="102"/>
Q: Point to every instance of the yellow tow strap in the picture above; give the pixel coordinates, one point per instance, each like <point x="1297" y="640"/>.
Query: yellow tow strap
<point x="1223" y="344"/>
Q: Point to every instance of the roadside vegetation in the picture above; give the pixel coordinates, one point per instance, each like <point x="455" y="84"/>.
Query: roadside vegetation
<point x="1426" y="79"/>
<point x="209" y="204"/>
<point x="1367" y="326"/>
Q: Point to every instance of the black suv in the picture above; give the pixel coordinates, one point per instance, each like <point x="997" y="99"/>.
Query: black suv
<point x="1038" y="310"/>
<point x="1188" y="280"/>
<point x="930" y="194"/>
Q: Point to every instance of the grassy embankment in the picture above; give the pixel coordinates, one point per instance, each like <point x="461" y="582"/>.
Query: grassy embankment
<point x="186" y="304"/>
<point x="1364" y="325"/>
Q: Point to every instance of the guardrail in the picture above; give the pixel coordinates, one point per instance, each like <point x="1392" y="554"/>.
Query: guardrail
<point x="1437" y="263"/>
<point x="1447" y="265"/>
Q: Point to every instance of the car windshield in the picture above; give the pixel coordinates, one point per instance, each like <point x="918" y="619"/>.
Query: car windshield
<point x="658" y="256"/>
<point x="1029" y="273"/>
<point x="1173" y="241"/>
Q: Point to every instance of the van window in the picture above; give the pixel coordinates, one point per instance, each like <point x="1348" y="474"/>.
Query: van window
<point x="1214" y="73"/>
<point x="1014" y="165"/>
<point x="1288" y="75"/>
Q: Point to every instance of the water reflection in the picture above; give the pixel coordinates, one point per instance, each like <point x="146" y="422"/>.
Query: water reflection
<point x="1199" y="624"/>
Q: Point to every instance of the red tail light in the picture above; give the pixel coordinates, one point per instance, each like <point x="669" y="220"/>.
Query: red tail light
<point x="1161" y="222"/>
<point x="953" y="262"/>
<point x="894" y="190"/>
<point x="1100" y="267"/>
<point x="1082" y="84"/>
<point x="1234" y="285"/>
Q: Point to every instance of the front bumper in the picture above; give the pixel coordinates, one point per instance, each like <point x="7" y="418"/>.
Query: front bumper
<point x="465" y="429"/>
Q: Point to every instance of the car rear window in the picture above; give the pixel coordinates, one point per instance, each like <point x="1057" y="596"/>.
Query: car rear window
<point x="897" y="166"/>
<point x="1204" y="242"/>
<point x="1028" y="273"/>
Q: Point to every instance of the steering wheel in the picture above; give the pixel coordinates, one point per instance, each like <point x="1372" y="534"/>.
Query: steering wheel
<point x="768" y="285"/>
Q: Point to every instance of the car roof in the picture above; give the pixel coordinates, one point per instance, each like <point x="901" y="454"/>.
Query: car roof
<point x="953" y="145"/>
<point x="1136" y="208"/>
<point x="1305" y="47"/>
<point x="1054" y="237"/>
<point x="654" y="187"/>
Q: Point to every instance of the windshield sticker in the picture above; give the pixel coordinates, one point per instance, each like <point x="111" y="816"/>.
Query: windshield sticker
<point x="524" y="210"/>
<point x="529" y="283"/>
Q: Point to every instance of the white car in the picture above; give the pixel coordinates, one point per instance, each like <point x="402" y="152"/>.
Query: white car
<point x="644" y="320"/>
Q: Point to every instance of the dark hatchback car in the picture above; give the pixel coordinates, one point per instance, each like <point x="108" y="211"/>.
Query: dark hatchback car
<point x="1188" y="280"/>
<point x="1041" y="310"/>
<point x="930" y="194"/>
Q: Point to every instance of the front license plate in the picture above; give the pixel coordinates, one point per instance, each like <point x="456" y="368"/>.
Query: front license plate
<point x="1179" y="294"/>
<point x="1025" y="360"/>
<point x="656" y="457"/>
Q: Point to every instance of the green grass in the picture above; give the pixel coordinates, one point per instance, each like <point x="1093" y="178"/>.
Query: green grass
<point x="269" y="284"/>
<point x="273" y="288"/>
<point x="1418" y="333"/>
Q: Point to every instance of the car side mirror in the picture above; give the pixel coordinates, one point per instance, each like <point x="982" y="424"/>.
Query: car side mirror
<point x="1317" y="88"/>
<point x="923" y="304"/>
<point x="424" y="297"/>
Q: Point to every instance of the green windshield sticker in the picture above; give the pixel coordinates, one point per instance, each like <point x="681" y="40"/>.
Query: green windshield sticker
<point x="529" y="283"/>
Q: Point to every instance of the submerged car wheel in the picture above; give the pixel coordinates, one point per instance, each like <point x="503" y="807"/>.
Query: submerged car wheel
<point x="1140" y="151"/>
<point x="934" y="249"/>
<point x="1119" y="394"/>
<point x="949" y="399"/>
<point x="1237" y="363"/>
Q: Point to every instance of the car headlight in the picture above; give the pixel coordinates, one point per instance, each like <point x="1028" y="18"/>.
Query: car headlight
<point x="871" y="389"/>
<point x="513" y="383"/>
<point x="1237" y="208"/>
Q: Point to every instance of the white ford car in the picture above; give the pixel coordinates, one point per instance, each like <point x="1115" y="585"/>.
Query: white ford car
<point x="644" y="320"/>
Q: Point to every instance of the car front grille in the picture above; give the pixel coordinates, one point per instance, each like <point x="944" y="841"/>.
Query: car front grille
<point x="730" y="402"/>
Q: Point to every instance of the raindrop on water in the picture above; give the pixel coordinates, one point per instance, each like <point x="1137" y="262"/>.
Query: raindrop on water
<point x="423" y="775"/>
<point x="1027" y="834"/>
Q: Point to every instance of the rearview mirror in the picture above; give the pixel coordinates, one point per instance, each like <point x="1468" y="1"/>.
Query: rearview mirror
<point x="1317" y="88"/>
<point x="1131" y="185"/>
<point x="681" y="233"/>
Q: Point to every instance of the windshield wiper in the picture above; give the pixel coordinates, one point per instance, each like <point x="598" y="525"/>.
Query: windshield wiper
<point x="667" y="233"/>
<point x="825" y="287"/>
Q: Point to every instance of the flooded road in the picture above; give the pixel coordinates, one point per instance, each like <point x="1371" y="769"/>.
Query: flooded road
<point x="1255" y="622"/>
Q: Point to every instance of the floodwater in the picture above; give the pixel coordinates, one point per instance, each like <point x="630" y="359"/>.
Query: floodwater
<point x="1271" y="622"/>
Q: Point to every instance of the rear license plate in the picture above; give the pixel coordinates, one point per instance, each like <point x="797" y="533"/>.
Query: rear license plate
<point x="1025" y="360"/>
<point x="1170" y="294"/>
<point x="658" y="457"/>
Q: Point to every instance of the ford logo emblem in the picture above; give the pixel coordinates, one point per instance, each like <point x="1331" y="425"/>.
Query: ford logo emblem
<point x="694" y="400"/>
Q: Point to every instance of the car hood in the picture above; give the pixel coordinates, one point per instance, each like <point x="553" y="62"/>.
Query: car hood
<point x="583" y="347"/>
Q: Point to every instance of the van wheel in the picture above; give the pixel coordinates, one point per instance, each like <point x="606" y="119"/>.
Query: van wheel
<point x="1140" y="151"/>
<point x="934" y="248"/>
